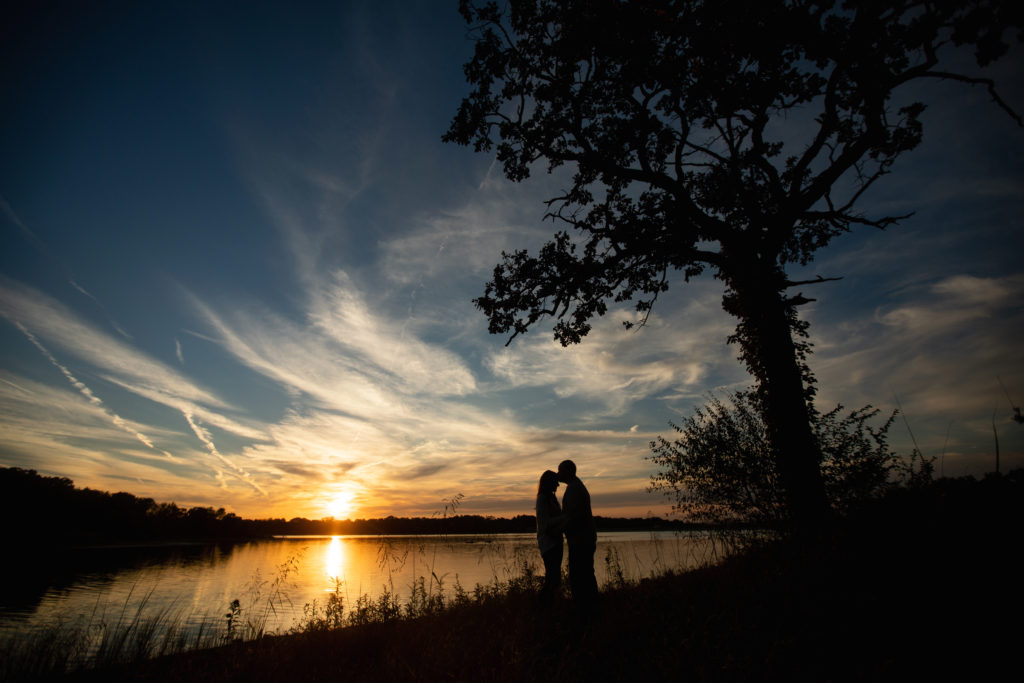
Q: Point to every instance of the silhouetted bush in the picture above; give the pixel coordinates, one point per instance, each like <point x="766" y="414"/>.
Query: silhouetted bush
<point x="721" y="469"/>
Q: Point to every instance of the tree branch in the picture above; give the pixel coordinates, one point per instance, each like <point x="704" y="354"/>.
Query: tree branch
<point x="989" y="84"/>
<point x="819" y="279"/>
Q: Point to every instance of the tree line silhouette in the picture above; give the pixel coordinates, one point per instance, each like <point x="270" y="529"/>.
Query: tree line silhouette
<point x="46" y="510"/>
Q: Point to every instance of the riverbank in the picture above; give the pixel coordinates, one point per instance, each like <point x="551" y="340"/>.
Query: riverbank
<point x="919" y="585"/>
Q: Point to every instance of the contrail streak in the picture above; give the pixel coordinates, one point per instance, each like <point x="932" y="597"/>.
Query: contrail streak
<point x="118" y="421"/>
<point x="203" y="435"/>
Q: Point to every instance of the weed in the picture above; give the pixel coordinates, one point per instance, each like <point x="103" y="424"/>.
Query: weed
<point x="233" y="616"/>
<point x="613" y="565"/>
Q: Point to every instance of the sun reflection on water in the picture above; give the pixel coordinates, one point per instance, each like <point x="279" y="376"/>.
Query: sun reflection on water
<point x="334" y="558"/>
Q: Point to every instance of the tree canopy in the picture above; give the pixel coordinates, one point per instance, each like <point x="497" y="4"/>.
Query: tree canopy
<point x="733" y="137"/>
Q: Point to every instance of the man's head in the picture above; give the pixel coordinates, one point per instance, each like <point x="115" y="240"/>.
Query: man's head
<point x="566" y="471"/>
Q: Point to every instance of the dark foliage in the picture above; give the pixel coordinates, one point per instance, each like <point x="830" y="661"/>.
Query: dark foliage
<point x="720" y="467"/>
<point x="51" y="510"/>
<point x="733" y="136"/>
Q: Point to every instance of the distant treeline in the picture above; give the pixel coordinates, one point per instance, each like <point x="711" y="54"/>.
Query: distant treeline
<point x="51" y="510"/>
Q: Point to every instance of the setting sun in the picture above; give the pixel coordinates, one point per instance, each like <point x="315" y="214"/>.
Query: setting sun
<point x="341" y="505"/>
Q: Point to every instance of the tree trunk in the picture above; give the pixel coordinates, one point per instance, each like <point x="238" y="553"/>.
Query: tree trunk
<point x="765" y="335"/>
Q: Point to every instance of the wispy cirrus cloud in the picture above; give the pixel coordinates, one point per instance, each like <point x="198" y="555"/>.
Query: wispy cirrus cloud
<point x="309" y="364"/>
<point x="940" y="350"/>
<point x="464" y="241"/>
<point x="116" y="419"/>
<point x="341" y="313"/>
<point x="677" y="353"/>
<point x="36" y="314"/>
<point x="118" y="362"/>
<point x="52" y="321"/>
<point x="49" y="428"/>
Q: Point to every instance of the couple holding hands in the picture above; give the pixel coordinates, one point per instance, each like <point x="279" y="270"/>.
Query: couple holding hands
<point x="574" y="519"/>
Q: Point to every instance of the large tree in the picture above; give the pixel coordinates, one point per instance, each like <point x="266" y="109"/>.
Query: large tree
<point x="726" y="135"/>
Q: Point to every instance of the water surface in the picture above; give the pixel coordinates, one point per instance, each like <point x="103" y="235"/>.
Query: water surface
<point x="273" y="580"/>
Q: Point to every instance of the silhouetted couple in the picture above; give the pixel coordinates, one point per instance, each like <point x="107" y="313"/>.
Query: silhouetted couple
<point x="574" y="519"/>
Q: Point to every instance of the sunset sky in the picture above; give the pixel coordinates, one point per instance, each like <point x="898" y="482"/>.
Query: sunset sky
<point x="237" y="265"/>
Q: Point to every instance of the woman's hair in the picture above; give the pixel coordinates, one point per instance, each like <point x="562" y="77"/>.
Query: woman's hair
<point x="548" y="482"/>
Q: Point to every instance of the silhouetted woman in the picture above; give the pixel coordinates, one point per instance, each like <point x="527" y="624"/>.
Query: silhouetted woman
<point x="550" y="523"/>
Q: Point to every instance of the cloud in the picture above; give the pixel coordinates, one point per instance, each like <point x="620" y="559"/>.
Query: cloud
<point x="310" y="364"/>
<point x="53" y="322"/>
<point x="940" y="350"/>
<point x="207" y="440"/>
<point x="83" y="291"/>
<point x="160" y="396"/>
<point x="980" y="292"/>
<point x="678" y="351"/>
<point x="340" y="312"/>
<point x="122" y="366"/>
<point x="116" y="419"/>
<point x="467" y="241"/>
<point x="119" y="364"/>
<point x="25" y="230"/>
<point x="54" y="430"/>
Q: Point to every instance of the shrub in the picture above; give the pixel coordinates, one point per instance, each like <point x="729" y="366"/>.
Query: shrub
<point x="720" y="468"/>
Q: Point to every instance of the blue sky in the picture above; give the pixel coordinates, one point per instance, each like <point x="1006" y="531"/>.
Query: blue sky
<point x="237" y="266"/>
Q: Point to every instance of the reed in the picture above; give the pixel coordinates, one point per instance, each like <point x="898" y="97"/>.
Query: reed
<point x="101" y="642"/>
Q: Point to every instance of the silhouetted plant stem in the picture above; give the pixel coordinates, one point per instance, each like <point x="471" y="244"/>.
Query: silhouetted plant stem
<point x="995" y="435"/>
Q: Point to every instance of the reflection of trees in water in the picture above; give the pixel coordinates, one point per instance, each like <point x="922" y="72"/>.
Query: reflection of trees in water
<point x="40" y="571"/>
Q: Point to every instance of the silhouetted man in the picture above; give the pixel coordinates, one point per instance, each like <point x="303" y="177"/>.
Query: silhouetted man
<point x="579" y="534"/>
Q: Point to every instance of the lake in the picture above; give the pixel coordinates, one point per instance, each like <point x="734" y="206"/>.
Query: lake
<point x="193" y="586"/>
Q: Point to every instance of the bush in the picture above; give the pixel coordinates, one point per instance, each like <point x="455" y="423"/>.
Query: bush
<point x="721" y="469"/>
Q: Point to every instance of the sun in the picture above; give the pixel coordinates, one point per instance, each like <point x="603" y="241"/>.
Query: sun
<point x="341" y="504"/>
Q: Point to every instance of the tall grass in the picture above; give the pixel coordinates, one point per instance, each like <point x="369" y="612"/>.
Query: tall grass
<point x="264" y="597"/>
<point x="134" y="633"/>
<point x="99" y="641"/>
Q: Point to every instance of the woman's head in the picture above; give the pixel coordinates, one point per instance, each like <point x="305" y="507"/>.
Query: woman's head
<point x="548" y="482"/>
